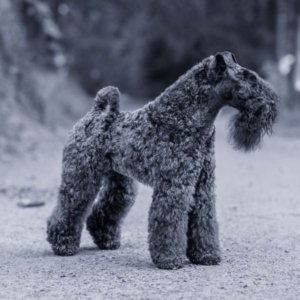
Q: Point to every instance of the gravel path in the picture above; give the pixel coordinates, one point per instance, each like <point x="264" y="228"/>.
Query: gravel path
<point x="258" y="198"/>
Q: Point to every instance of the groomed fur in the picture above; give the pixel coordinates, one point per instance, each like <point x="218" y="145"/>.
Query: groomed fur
<point x="169" y="145"/>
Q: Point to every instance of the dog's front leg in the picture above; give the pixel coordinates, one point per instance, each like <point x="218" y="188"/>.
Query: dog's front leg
<point x="168" y="225"/>
<point x="203" y="233"/>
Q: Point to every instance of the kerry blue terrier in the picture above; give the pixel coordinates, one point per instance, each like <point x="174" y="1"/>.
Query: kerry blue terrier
<point x="169" y="145"/>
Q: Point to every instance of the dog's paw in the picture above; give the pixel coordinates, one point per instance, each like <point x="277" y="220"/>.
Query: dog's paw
<point x="108" y="245"/>
<point x="64" y="245"/>
<point x="207" y="258"/>
<point x="64" y="242"/>
<point x="65" y="250"/>
<point x="106" y="238"/>
<point x="169" y="263"/>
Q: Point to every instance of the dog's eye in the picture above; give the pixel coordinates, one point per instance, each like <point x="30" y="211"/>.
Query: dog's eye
<point x="246" y="74"/>
<point x="203" y="73"/>
<point x="249" y="76"/>
<point x="253" y="78"/>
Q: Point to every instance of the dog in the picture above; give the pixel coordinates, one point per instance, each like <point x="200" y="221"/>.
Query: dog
<point x="168" y="145"/>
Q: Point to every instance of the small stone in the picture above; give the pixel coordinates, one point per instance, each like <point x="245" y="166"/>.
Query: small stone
<point x="25" y="203"/>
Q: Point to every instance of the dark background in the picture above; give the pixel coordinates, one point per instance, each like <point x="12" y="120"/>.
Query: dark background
<point x="56" y="54"/>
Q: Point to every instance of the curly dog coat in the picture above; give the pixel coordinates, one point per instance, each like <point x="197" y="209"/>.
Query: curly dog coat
<point x="169" y="145"/>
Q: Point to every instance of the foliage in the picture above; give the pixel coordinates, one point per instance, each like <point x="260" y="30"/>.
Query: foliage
<point x="143" y="46"/>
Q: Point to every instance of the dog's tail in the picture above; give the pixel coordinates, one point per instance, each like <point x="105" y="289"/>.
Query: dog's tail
<point x="108" y="99"/>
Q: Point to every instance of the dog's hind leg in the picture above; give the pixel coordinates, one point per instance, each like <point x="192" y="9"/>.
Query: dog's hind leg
<point x="115" y="198"/>
<point x="203" y="234"/>
<point x="84" y="164"/>
<point x="66" y="222"/>
<point x="78" y="189"/>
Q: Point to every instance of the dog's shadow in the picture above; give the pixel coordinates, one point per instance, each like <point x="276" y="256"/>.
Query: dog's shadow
<point x="122" y="257"/>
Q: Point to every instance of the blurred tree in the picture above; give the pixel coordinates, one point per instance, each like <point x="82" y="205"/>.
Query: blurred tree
<point x="43" y="34"/>
<point x="29" y="41"/>
<point x="14" y="55"/>
<point x="31" y="53"/>
<point x="143" y="46"/>
<point x="179" y="40"/>
<point x="173" y="41"/>
<point x="288" y="47"/>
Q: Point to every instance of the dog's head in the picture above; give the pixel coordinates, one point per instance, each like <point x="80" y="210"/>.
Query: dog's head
<point x="249" y="94"/>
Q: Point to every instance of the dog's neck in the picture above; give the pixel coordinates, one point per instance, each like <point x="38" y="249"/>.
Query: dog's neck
<point x="186" y="105"/>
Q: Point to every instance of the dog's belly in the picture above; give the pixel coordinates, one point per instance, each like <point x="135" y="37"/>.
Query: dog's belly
<point x="159" y="165"/>
<point x="134" y="166"/>
<point x="141" y="177"/>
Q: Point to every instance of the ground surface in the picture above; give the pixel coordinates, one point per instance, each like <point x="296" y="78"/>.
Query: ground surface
<point x="258" y="198"/>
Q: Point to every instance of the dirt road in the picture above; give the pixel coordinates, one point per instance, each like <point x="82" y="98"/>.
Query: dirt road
<point x="258" y="198"/>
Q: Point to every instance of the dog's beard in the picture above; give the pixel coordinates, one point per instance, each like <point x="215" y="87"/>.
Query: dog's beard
<point x="248" y="127"/>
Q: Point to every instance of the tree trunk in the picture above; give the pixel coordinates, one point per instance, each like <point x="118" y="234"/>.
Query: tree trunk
<point x="288" y="43"/>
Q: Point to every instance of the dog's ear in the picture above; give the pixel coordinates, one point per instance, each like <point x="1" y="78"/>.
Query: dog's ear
<point x="220" y="63"/>
<point x="233" y="58"/>
<point x="224" y="60"/>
